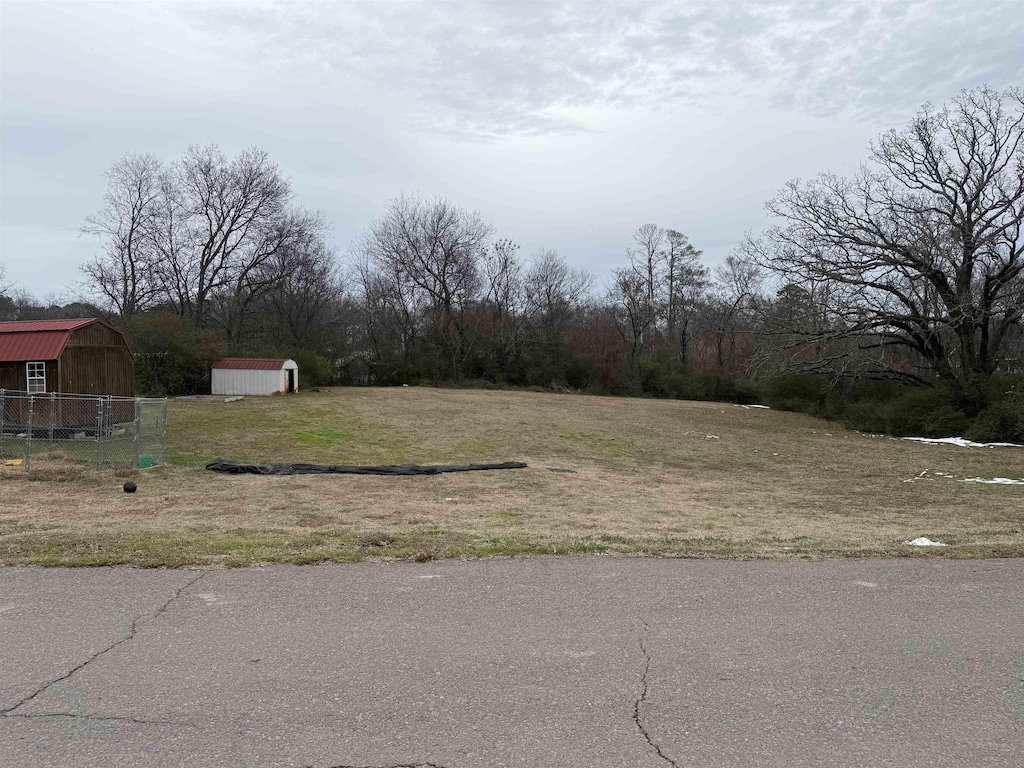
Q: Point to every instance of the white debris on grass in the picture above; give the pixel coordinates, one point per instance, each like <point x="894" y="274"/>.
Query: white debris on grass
<point x="922" y="541"/>
<point x="713" y="437"/>
<point x="913" y="479"/>
<point x="961" y="442"/>
<point x="748" y="407"/>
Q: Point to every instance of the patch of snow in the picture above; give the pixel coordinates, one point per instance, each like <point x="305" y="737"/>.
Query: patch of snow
<point x="921" y="541"/>
<point x="961" y="442"/>
<point x="993" y="480"/>
<point x="766" y="407"/>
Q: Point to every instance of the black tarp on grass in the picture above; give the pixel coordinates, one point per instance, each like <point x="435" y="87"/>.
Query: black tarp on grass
<point x="238" y="468"/>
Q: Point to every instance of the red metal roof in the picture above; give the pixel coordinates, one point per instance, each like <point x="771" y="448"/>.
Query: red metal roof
<point x="25" y="326"/>
<point x="29" y="340"/>
<point x="251" y="363"/>
<point x="33" y="345"/>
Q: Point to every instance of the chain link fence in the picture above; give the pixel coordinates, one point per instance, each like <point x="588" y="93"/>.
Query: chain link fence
<point x="54" y="429"/>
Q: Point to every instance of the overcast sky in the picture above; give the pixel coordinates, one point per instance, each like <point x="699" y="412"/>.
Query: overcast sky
<point x="567" y="125"/>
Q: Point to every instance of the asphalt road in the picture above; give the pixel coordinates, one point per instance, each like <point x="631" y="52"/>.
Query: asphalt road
<point x="595" y="662"/>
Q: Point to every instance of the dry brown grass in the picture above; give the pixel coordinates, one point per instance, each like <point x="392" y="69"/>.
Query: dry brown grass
<point x="649" y="478"/>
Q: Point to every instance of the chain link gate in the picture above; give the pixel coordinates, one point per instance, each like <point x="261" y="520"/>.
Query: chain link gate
<point x="98" y="431"/>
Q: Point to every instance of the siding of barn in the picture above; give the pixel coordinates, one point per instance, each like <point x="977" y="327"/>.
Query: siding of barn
<point x="97" y="362"/>
<point x="13" y="376"/>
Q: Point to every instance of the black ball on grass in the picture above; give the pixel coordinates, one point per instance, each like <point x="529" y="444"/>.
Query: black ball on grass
<point x="129" y="487"/>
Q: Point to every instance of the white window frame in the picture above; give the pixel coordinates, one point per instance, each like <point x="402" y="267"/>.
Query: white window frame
<point x="35" y="377"/>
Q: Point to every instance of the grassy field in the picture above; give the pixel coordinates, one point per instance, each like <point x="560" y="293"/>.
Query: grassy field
<point x="649" y="477"/>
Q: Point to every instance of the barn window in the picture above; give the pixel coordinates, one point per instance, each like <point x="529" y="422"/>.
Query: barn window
<point x="36" y="373"/>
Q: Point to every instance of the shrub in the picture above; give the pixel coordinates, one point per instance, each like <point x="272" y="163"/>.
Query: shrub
<point x="314" y="370"/>
<point x="1003" y="417"/>
<point x="992" y="409"/>
<point x="806" y="393"/>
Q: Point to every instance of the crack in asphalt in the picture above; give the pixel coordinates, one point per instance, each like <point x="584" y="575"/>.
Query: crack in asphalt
<point x="642" y="698"/>
<point x="116" y="718"/>
<point x="137" y="623"/>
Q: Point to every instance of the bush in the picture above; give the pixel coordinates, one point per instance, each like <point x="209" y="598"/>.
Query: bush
<point x="1003" y="417"/>
<point x="580" y="374"/>
<point x="670" y="379"/>
<point x="314" y="370"/>
<point x="806" y="393"/>
<point x="993" y="409"/>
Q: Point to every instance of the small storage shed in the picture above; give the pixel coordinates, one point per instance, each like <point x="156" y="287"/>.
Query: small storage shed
<point x="85" y="356"/>
<point x="254" y="376"/>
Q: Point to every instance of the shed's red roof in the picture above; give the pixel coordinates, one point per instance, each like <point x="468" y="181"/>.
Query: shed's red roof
<point x="251" y="363"/>
<point x="28" y="340"/>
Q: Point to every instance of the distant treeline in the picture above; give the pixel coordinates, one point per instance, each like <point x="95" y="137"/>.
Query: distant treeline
<point x="892" y="300"/>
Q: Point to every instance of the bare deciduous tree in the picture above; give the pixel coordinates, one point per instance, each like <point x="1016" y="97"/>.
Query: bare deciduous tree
<point x="124" y="276"/>
<point x="925" y="243"/>
<point x="730" y="306"/>
<point x="632" y="309"/>
<point x="237" y="218"/>
<point x="648" y="255"/>
<point x="505" y="296"/>
<point x="554" y="292"/>
<point x="203" y="235"/>
<point x="685" y="281"/>
<point x="308" y="297"/>
<point x="439" y="247"/>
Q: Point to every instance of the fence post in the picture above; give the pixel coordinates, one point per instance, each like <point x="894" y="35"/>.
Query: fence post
<point x="53" y="401"/>
<point x="163" y="434"/>
<point x="28" y="434"/>
<point x="138" y="430"/>
<point x="3" y="406"/>
<point x="99" y="433"/>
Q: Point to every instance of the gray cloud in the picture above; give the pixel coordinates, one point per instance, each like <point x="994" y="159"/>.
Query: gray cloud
<point x="568" y="125"/>
<point x="486" y="70"/>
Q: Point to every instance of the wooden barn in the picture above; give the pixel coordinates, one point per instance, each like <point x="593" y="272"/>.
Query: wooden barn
<point x="85" y="356"/>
